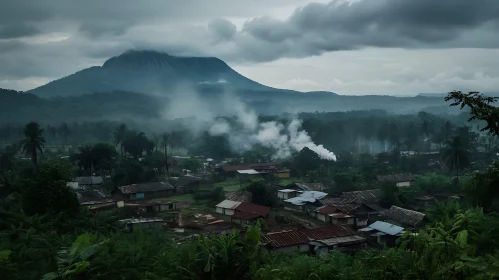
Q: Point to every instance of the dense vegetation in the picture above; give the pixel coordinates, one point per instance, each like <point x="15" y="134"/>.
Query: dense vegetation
<point x="45" y="234"/>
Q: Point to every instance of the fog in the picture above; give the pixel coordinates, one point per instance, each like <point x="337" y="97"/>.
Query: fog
<point x="244" y="130"/>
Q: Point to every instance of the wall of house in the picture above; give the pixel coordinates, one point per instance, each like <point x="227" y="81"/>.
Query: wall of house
<point x="292" y="207"/>
<point x="292" y="249"/>
<point x="150" y="195"/>
<point x="322" y="217"/>
<point x="228" y="212"/>
<point x="404" y="184"/>
<point x="361" y="222"/>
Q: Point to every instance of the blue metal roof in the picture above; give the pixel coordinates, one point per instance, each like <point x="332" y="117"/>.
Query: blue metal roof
<point x="384" y="227"/>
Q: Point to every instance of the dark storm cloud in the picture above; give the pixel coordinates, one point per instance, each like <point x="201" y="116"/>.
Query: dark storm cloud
<point x="17" y="31"/>
<point x="318" y="28"/>
<point x="222" y="29"/>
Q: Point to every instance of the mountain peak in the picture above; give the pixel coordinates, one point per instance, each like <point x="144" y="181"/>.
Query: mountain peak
<point x="149" y="71"/>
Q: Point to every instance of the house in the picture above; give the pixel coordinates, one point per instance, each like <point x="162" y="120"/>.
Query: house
<point x="187" y="184"/>
<point x="246" y="213"/>
<point x="143" y="191"/>
<point x="142" y="223"/>
<point x="96" y="199"/>
<point x="283" y="174"/>
<point x="307" y="186"/>
<point x="318" y="240"/>
<point x="304" y="202"/>
<point x="227" y="207"/>
<point x="231" y="170"/>
<point x="400" y="180"/>
<point x="360" y="197"/>
<point x="89" y="181"/>
<point x="154" y="206"/>
<point x="359" y="212"/>
<point x="286" y="193"/>
<point x="403" y="217"/>
<point x="384" y="233"/>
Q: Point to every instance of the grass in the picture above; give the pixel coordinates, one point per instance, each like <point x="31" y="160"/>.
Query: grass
<point x="284" y="182"/>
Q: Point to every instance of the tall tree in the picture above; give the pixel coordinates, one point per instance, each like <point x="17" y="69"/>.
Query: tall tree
<point x="84" y="158"/>
<point x="7" y="157"/>
<point x="119" y="137"/>
<point x="165" y="140"/>
<point x="455" y="154"/>
<point x="65" y="132"/>
<point x="33" y="142"/>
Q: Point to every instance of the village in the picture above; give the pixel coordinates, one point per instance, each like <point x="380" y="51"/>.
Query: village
<point x="303" y="218"/>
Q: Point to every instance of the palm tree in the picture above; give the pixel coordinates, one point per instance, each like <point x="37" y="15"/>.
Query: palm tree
<point x="119" y="136"/>
<point x="33" y="142"/>
<point x="455" y="155"/>
<point x="84" y="157"/>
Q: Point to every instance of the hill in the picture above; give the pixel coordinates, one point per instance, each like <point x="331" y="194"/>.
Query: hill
<point x="150" y="72"/>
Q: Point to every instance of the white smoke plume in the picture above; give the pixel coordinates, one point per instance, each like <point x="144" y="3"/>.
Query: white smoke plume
<point x="247" y="132"/>
<point x="284" y="139"/>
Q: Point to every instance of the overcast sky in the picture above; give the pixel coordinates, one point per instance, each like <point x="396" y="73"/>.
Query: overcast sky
<point x="349" y="47"/>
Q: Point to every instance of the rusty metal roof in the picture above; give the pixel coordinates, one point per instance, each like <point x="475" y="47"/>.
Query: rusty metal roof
<point x="362" y="196"/>
<point x="296" y="237"/>
<point x="146" y="187"/>
<point x="252" y="208"/>
<point x="242" y="196"/>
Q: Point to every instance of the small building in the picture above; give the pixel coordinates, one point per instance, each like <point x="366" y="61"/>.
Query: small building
<point x="383" y="233"/>
<point x="286" y="193"/>
<point x="142" y="223"/>
<point x="231" y="170"/>
<point x="143" y="191"/>
<point x="400" y="180"/>
<point x="283" y="174"/>
<point x="341" y="219"/>
<point x="360" y="197"/>
<point x="246" y="212"/>
<point x="305" y="202"/>
<point x="227" y="207"/>
<point x="87" y="181"/>
<point x="318" y="240"/>
<point x="307" y="186"/>
<point x="96" y="199"/>
<point x="403" y="217"/>
<point x="155" y="206"/>
<point x="187" y="184"/>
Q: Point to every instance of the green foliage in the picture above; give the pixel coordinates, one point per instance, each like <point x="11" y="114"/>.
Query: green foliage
<point x="48" y="191"/>
<point x="482" y="189"/>
<point x="262" y="193"/>
<point x="191" y="164"/>
<point x="433" y="183"/>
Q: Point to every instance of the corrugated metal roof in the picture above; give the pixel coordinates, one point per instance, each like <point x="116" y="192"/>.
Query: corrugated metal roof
<point x="295" y="237"/>
<point x="252" y="208"/>
<point x="248" y="172"/>
<point x="326" y="209"/>
<point x="141" y="220"/>
<point x="306" y="197"/>
<point x="287" y="190"/>
<point x="92" y="195"/>
<point x="403" y="216"/>
<point x="342" y="240"/>
<point x="384" y="227"/>
<point x="242" y="196"/>
<point x="362" y="196"/>
<point x="228" y="204"/>
<point x="339" y="215"/>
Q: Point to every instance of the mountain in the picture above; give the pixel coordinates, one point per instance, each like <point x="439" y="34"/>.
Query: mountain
<point x="150" y="72"/>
